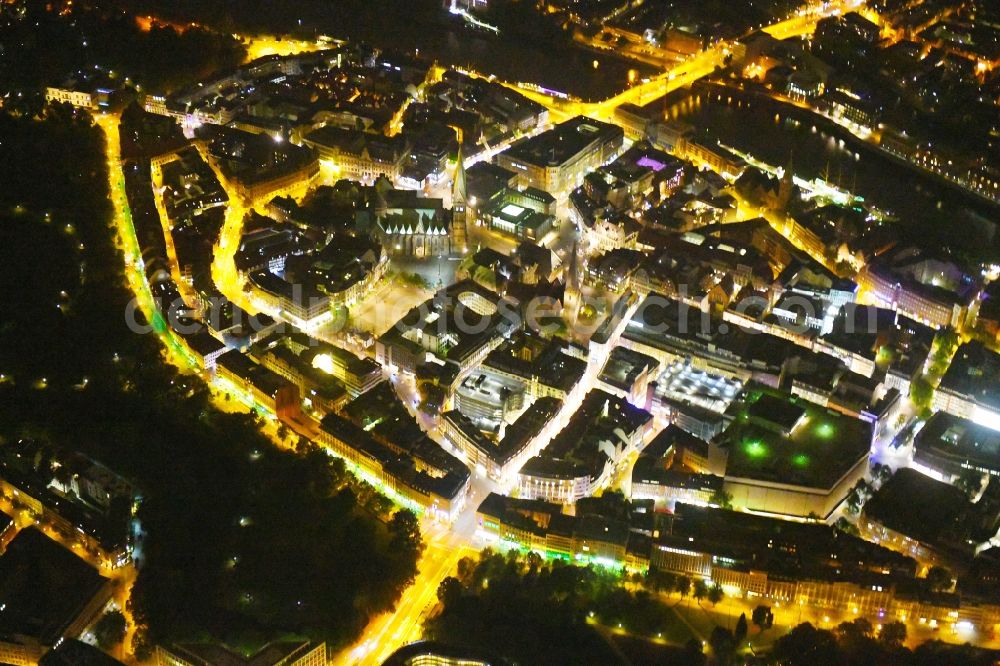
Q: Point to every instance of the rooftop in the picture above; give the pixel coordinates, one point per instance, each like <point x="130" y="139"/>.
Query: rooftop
<point x="485" y="180"/>
<point x="605" y="519"/>
<point x="212" y="654"/>
<point x="377" y="147"/>
<point x="624" y="366"/>
<point x="563" y="142"/>
<point x="918" y="506"/>
<point x="255" y="158"/>
<point x="96" y="501"/>
<point x="802" y="550"/>
<point x="773" y="410"/>
<point x="239" y="364"/>
<point x="973" y="373"/>
<point x="580" y="446"/>
<point x="415" y="652"/>
<point x="72" y="652"/>
<point x="413" y="460"/>
<point x="529" y="356"/>
<point x="958" y="441"/>
<point x="786" y="439"/>
<point x="682" y="381"/>
<point x="43" y="587"/>
<point x="665" y="323"/>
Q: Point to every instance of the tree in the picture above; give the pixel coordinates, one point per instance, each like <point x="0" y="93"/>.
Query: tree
<point x="938" y="579"/>
<point x="661" y="581"/>
<point x="762" y="617"/>
<point x="721" y="498"/>
<point x="921" y="393"/>
<point x="970" y="482"/>
<point x="723" y="644"/>
<point x="855" y="639"/>
<point x="893" y="634"/>
<point x="846" y="526"/>
<point x="858" y="495"/>
<point x="449" y="591"/>
<point x="405" y="531"/>
<point x="110" y="629"/>
<point x="715" y="594"/>
<point x="742" y="629"/>
<point x="142" y="646"/>
<point x="845" y="269"/>
<point x="533" y="560"/>
<point x="380" y="504"/>
<point x="881" y="473"/>
<point x="853" y="502"/>
<point x="682" y="585"/>
<point x="693" y="652"/>
<point x="947" y="340"/>
<point x="854" y="631"/>
<point x="808" y="646"/>
<point x="466" y="567"/>
<point x="700" y="590"/>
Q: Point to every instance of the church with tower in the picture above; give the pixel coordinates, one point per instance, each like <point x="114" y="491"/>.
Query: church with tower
<point x="410" y="225"/>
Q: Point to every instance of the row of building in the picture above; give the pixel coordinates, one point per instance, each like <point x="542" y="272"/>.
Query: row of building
<point x="86" y="503"/>
<point x="760" y="558"/>
<point x="377" y="434"/>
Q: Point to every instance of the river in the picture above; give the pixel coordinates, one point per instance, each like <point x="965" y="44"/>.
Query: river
<point x="534" y="50"/>
<point x="776" y="133"/>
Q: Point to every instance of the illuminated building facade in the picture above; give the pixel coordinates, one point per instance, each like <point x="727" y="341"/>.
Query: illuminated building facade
<point x="557" y="160"/>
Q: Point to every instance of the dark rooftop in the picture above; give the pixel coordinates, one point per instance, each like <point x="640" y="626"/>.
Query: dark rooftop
<point x="779" y="547"/>
<point x="624" y="366"/>
<point x="577" y="448"/>
<point x="212" y="654"/>
<point x="973" y="372"/>
<point x="561" y="143"/>
<point x="771" y="409"/>
<point x="72" y="652"/>
<point x="918" y="506"/>
<point x="958" y="443"/>
<point x="242" y="366"/>
<point x="417" y="652"/>
<point x="43" y="587"/>
<point x="530" y="356"/>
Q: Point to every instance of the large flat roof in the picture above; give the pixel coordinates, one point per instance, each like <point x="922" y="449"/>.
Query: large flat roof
<point x="624" y="366"/>
<point x="563" y="142"/>
<point x="958" y="442"/>
<point x="973" y="373"/>
<point x="780" y="547"/>
<point x="776" y="410"/>
<point x="664" y="323"/>
<point x="43" y="587"/>
<point x="916" y="505"/>
<point x="820" y="448"/>
<point x="212" y="654"/>
<point x="549" y="361"/>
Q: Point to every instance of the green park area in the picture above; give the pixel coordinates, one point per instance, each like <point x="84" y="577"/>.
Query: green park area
<point x="239" y="542"/>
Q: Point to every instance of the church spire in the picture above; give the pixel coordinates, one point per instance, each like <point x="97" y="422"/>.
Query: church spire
<point x="459" y="193"/>
<point x="459" y="206"/>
